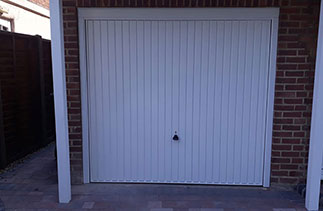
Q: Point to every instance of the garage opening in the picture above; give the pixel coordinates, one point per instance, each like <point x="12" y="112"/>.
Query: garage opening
<point x="177" y="100"/>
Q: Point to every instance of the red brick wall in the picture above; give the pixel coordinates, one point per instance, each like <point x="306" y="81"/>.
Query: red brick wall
<point x="294" y="82"/>
<point x="42" y="3"/>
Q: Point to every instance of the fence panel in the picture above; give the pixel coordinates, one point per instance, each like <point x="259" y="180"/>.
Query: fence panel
<point x="26" y="87"/>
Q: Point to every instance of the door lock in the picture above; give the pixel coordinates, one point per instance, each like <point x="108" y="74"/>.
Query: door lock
<point x="175" y="137"/>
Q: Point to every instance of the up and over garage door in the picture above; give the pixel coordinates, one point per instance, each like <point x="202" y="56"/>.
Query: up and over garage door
<point x="177" y="100"/>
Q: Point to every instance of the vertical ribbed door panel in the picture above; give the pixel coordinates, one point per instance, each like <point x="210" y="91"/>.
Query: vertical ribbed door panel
<point x="204" y="81"/>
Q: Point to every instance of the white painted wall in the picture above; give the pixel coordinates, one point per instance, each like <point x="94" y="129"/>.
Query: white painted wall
<point x="31" y="22"/>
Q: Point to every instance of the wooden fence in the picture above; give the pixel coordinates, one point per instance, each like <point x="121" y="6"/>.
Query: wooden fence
<point x="26" y="96"/>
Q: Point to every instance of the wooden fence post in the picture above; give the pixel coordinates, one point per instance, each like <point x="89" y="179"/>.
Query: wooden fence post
<point x="3" y="153"/>
<point x="42" y="91"/>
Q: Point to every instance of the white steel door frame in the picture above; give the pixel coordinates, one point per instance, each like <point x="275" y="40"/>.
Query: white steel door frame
<point x="180" y="14"/>
<point x="313" y="185"/>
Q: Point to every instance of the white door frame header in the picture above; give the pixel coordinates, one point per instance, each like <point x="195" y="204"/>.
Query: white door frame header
<point x="271" y="14"/>
<point x="178" y="13"/>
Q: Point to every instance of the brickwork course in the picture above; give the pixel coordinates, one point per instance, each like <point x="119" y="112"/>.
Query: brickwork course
<point x="298" y="23"/>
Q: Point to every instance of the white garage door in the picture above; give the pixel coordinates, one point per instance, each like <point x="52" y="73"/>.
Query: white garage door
<point x="204" y="81"/>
